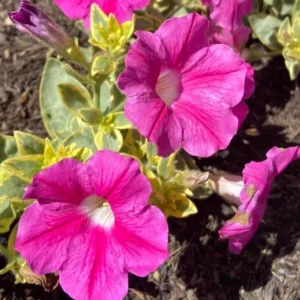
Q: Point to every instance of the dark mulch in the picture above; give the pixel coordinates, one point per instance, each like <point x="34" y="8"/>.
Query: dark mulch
<point x="200" y="266"/>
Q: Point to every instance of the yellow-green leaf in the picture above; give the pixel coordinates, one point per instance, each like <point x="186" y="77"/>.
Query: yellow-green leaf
<point x="105" y="97"/>
<point x="120" y="121"/>
<point x="8" y="147"/>
<point x="113" y="24"/>
<point x="82" y="138"/>
<point x="293" y="65"/>
<point x="74" y="97"/>
<point x="103" y="65"/>
<point x="12" y="238"/>
<point x="98" y="17"/>
<point x="12" y="189"/>
<point x="24" y="167"/>
<point x="7" y="216"/>
<point x="151" y="149"/>
<point x="55" y="115"/>
<point x="28" y="143"/>
<point x="296" y="11"/>
<point x="283" y="34"/>
<point x="173" y="204"/>
<point x="91" y="115"/>
<point x="265" y="28"/>
<point x="112" y="140"/>
<point x="166" y="166"/>
<point x="128" y="27"/>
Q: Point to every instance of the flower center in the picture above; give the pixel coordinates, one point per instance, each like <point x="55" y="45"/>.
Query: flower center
<point x="99" y="211"/>
<point x="169" y="86"/>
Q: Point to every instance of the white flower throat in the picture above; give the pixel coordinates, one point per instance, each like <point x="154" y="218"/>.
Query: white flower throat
<point x="169" y="86"/>
<point x="99" y="211"/>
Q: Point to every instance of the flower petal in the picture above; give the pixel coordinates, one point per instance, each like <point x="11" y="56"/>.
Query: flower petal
<point x="44" y="237"/>
<point x="240" y="111"/>
<point x="183" y="36"/>
<point x="63" y="182"/>
<point x="207" y="127"/>
<point x="143" y="240"/>
<point x="229" y="14"/>
<point x="122" y="9"/>
<point x="76" y="9"/>
<point x="96" y="268"/>
<point x="109" y="176"/>
<point x="215" y="74"/>
<point x="155" y="121"/>
<point x="144" y="63"/>
<point x="281" y="158"/>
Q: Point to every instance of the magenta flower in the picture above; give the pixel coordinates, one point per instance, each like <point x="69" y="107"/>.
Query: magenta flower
<point x="91" y="222"/>
<point x="226" y="26"/>
<point x="32" y="20"/>
<point x="121" y="9"/>
<point x="182" y="93"/>
<point x="257" y="178"/>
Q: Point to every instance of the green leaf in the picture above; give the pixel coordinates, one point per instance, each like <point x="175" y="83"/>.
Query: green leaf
<point x="118" y="99"/>
<point x="74" y="97"/>
<point x="91" y="115"/>
<point x="120" y="121"/>
<point x="166" y="166"/>
<point x="12" y="238"/>
<point x="12" y="189"/>
<point x="7" y="216"/>
<point x="8" y="147"/>
<point x="103" y="65"/>
<point x="82" y="138"/>
<point x="55" y="114"/>
<point x="181" y="12"/>
<point x="287" y="7"/>
<point x="283" y="31"/>
<point x="105" y="97"/>
<point x="151" y="149"/>
<point x="296" y="11"/>
<point x="275" y="5"/>
<point x="9" y="256"/>
<point x="97" y="17"/>
<point x="24" y="167"/>
<point x="112" y="140"/>
<point x="128" y="27"/>
<point x="76" y="75"/>
<point x="293" y="66"/>
<point x="265" y="28"/>
<point x="28" y="143"/>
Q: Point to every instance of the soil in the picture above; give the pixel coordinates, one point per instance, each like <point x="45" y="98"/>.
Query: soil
<point x="200" y="267"/>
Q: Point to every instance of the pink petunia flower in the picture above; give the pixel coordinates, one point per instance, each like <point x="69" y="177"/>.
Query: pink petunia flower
<point x="121" y="9"/>
<point x="92" y="223"/>
<point x="257" y="181"/>
<point x="182" y="93"/>
<point x="226" y="26"/>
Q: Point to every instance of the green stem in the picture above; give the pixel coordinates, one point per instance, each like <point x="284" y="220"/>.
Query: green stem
<point x="97" y="88"/>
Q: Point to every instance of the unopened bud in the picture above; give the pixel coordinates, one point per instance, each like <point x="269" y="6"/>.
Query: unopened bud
<point x="193" y="179"/>
<point x="32" y="20"/>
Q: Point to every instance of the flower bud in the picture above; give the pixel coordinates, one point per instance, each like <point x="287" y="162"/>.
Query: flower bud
<point x="228" y="186"/>
<point x="32" y="20"/>
<point x="193" y="179"/>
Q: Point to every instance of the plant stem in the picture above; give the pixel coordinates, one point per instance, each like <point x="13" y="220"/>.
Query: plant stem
<point x="97" y="88"/>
